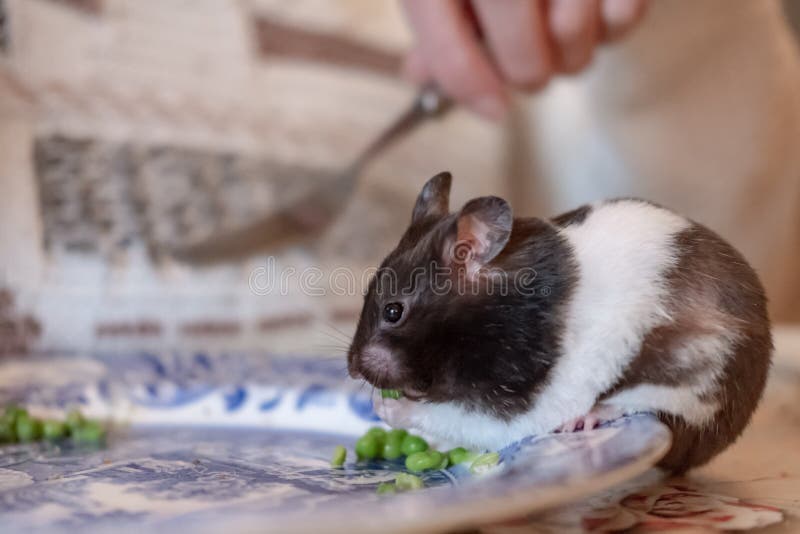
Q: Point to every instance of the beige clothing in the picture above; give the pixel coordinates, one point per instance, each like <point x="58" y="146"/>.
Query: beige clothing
<point x="700" y="111"/>
<point x="128" y="128"/>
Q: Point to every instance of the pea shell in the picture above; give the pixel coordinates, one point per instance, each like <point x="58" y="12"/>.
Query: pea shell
<point x="484" y="463"/>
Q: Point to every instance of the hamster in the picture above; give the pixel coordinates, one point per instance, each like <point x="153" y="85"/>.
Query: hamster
<point x="495" y="327"/>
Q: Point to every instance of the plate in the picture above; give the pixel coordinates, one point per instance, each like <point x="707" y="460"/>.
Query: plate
<point x="242" y="442"/>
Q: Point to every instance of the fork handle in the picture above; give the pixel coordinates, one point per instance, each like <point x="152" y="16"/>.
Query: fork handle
<point x="429" y="102"/>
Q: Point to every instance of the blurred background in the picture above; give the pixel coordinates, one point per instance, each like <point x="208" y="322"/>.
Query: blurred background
<point x="131" y="129"/>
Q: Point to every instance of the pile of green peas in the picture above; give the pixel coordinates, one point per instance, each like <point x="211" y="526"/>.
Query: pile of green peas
<point x="379" y="443"/>
<point x="18" y="426"/>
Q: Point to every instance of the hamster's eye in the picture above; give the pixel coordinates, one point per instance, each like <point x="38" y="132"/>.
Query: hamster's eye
<point x="392" y="312"/>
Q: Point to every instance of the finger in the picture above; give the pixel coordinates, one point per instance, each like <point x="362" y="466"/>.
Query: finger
<point x="454" y="57"/>
<point x="574" y="27"/>
<point x="415" y="69"/>
<point x="619" y="16"/>
<point x="516" y="35"/>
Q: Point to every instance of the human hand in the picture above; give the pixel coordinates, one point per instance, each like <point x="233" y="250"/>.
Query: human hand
<point x="475" y="51"/>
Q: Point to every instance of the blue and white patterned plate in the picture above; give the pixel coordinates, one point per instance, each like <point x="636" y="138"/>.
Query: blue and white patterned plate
<point x="243" y="442"/>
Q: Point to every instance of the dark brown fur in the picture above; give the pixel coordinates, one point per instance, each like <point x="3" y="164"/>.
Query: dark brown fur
<point x="576" y="216"/>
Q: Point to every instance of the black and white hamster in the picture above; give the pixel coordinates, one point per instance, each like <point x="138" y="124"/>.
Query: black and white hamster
<point x="497" y="327"/>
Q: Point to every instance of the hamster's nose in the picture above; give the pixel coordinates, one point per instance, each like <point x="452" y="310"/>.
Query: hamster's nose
<point x="377" y="365"/>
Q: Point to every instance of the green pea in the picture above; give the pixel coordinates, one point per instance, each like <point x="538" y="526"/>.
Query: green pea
<point x="418" y="461"/>
<point x="391" y="394"/>
<point x="393" y="445"/>
<point x="392" y="450"/>
<point x="28" y="428"/>
<point x="74" y="419"/>
<point x="386" y="488"/>
<point x="396" y="433"/>
<point x="459" y="455"/>
<point x="406" y="482"/>
<point x="368" y="447"/>
<point x="8" y="424"/>
<point x="424" y="460"/>
<point x="88" y="432"/>
<point x="379" y="434"/>
<point x="376" y="431"/>
<point x="8" y="430"/>
<point x="436" y="458"/>
<point x="52" y="429"/>
<point x="13" y="411"/>
<point x="484" y="463"/>
<point x="412" y="444"/>
<point x="339" y="456"/>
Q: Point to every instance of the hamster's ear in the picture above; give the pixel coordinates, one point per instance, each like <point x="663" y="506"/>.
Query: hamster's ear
<point x="434" y="199"/>
<point x="483" y="229"/>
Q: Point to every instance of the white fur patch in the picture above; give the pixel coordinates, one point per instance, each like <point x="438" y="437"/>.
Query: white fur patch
<point x="683" y="401"/>
<point x="447" y="424"/>
<point x="711" y="351"/>
<point x="695" y="401"/>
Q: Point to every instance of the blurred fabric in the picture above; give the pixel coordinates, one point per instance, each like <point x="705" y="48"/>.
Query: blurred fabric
<point x="129" y="128"/>
<point x="699" y="111"/>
